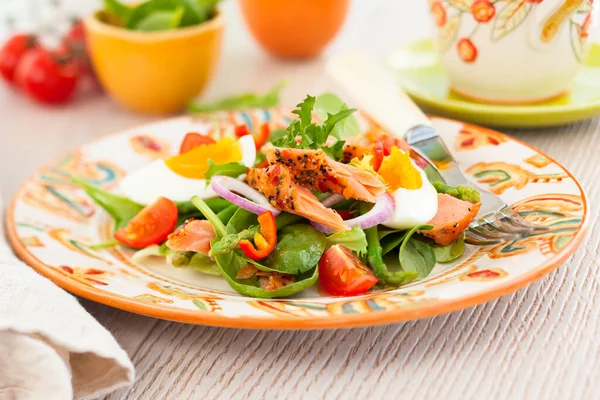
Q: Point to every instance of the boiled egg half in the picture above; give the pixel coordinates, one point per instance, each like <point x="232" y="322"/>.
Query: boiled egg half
<point x="415" y="197"/>
<point x="181" y="177"/>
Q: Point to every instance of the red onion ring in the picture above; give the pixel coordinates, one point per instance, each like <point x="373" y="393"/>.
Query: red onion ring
<point x="384" y="207"/>
<point x="255" y="202"/>
<point x="332" y="200"/>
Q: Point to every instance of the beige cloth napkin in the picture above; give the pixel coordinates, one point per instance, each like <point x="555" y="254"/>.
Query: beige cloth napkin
<point x="50" y="347"/>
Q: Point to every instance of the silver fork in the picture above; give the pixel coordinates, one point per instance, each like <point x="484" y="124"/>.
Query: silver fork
<point x="496" y="220"/>
<point x="378" y="94"/>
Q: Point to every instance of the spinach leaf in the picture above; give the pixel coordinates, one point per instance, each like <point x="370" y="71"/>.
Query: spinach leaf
<point x="375" y="258"/>
<point x="329" y="103"/>
<point x="284" y="219"/>
<point x="161" y="20"/>
<point x="391" y="240"/>
<point x="299" y="249"/>
<point x="233" y="169"/>
<point x="217" y="205"/>
<point x="354" y="239"/>
<point x="231" y="263"/>
<point x="241" y="220"/>
<point x="120" y="208"/>
<point x="226" y="214"/>
<point x="246" y="100"/>
<point x="197" y="11"/>
<point x="444" y="254"/>
<point x="417" y="256"/>
<point x="121" y="11"/>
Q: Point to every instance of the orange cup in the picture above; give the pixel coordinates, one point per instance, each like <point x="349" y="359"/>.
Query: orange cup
<point x="296" y="29"/>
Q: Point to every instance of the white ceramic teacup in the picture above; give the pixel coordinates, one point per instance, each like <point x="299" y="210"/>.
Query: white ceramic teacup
<point x="512" y="51"/>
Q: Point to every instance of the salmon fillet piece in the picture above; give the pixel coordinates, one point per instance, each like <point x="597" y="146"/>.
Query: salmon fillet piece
<point x="193" y="235"/>
<point x="312" y="169"/>
<point x="452" y="218"/>
<point x="275" y="183"/>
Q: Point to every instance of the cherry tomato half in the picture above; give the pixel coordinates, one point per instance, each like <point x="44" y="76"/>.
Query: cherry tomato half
<point x="48" y="77"/>
<point x="152" y="225"/>
<point x="341" y="273"/>
<point x="12" y="52"/>
<point x="193" y="140"/>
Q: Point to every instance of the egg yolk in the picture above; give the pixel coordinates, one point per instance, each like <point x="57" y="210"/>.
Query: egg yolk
<point x="194" y="163"/>
<point x="398" y="171"/>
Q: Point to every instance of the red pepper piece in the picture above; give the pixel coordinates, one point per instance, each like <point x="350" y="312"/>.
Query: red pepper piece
<point x="262" y="136"/>
<point x="378" y="153"/>
<point x="265" y="241"/>
<point x="242" y="130"/>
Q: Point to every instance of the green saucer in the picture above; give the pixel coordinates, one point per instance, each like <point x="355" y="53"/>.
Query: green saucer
<point x="423" y="79"/>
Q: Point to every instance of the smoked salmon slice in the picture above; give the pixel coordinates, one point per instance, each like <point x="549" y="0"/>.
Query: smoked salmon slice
<point x="313" y="170"/>
<point x="276" y="184"/>
<point x="452" y="218"/>
<point x="192" y="235"/>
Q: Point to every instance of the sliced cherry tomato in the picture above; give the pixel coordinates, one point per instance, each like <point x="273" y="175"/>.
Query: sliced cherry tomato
<point x="193" y="140"/>
<point x="242" y="130"/>
<point x="377" y="155"/>
<point x="12" y="52"/>
<point x="265" y="241"/>
<point x="48" y="77"/>
<point x="341" y="273"/>
<point x="152" y="225"/>
<point x="262" y="136"/>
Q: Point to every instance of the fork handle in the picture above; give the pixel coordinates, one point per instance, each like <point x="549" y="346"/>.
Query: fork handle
<point x="375" y="92"/>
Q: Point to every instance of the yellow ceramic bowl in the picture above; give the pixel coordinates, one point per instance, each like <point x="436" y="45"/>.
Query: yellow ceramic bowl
<point x="154" y="72"/>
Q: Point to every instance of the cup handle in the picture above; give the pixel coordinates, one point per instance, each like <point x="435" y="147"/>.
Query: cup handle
<point x="547" y="22"/>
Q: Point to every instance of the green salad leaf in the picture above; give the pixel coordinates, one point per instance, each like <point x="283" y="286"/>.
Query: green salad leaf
<point x="416" y="256"/>
<point x="161" y="20"/>
<point x="158" y="15"/>
<point x="313" y="136"/>
<point x="246" y="100"/>
<point x="232" y="262"/>
<point x="460" y="192"/>
<point x="354" y="239"/>
<point x="329" y="103"/>
<point x="299" y="249"/>
<point x="226" y="214"/>
<point x="445" y="254"/>
<point x="120" y="208"/>
<point x="390" y="240"/>
<point x="232" y="169"/>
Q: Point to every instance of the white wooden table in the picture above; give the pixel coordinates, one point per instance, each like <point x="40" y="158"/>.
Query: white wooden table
<point x="542" y="342"/>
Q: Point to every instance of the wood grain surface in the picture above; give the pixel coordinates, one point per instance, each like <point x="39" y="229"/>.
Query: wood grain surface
<point x="541" y="342"/>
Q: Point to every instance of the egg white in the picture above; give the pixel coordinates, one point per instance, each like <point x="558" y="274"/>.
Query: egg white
<point x="156" y="179"/>
<point x="413" y="206"/>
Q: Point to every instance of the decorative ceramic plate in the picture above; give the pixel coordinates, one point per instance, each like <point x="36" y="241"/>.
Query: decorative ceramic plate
<point x="51" y="225"/>
<point x="423" y="78"/>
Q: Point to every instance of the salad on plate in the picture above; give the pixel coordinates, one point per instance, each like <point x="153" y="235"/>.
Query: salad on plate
<point x="275" y="211"/>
